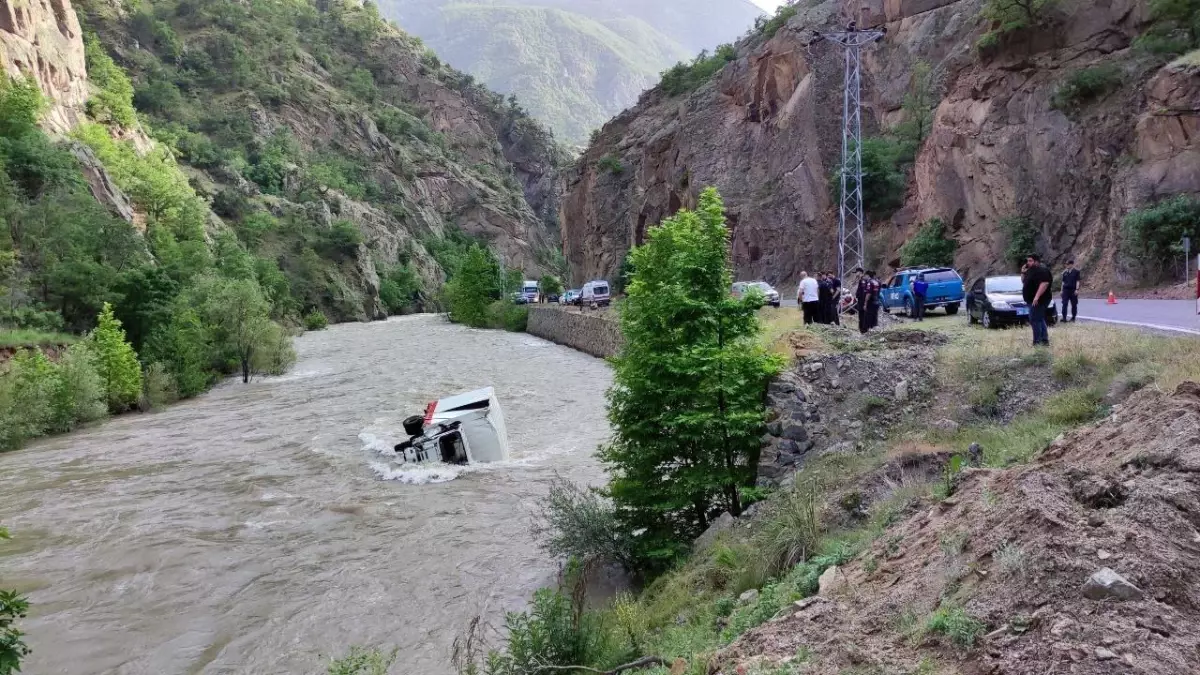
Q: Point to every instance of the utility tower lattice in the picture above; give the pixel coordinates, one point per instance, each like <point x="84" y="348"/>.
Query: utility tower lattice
<point x="852" y="241"/>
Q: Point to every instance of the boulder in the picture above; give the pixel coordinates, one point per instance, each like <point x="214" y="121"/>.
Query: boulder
<point x="722" y="523"/>
<point x="748" y="597"/>
<point x="1106" y="584"/>
<point x="795" y="432"/>
<point x="901" y="391"/>
<point x="831" y="581"/>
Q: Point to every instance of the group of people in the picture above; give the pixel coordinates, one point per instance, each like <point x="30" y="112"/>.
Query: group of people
<point x="1036" y="279"/>
<point x="819" y="298"/>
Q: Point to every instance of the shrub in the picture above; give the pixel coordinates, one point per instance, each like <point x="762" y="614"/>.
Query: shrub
<point x="315" y="320"/>
<point x="114" y="100"/>
<point x="791" y="532"/>
<point x="932" y="245"/>
<point x="1023" y="235"/>
<point x="580" y="523"/>
<point x="185" y="346"/>
<point x="1009" y="16"/>
<point x="79" y="395"/>
<point x="1153" y="236"/>
<point x="399" y="289"/>
<point x="363" y="661"/>
<point x="507" y="315"/>
<point x="116" y="362"/>
<point x="1085" y="86"/>
<point x="158" y="387"/>
<point x="549" y="634"/>
<point x="684" y="77"/>
<point x="473" y="288"/>
<point x="26" y="398"/>
<point x="13" y="606"/>
<point x="885" y="164"/>
<point x="611" y="164"/>
<point x="1175" y="27"/>
<point x="342" y="239"/>
<point x="273" y="353"/>
<point x="954" y="622"/>
<point x="768" y="27"/>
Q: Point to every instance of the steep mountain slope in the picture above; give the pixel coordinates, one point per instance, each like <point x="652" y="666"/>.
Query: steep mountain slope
<point x="572" y="63"/>
<point x="1061" y="127"/>
<point x="303" y="123"/>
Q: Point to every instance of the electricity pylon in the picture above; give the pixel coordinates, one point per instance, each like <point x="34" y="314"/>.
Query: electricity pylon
<point x="852" y="241"/>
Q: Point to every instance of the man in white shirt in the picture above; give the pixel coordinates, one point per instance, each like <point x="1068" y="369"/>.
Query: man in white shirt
<point x="809" y="297"/>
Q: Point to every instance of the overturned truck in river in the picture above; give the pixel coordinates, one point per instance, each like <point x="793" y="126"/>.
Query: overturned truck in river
<point x="463" y="429"/>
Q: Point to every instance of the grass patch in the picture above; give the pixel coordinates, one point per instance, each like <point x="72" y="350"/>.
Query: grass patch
<point x="21" y="337"/>
<point x="1087" y="86"/>
<point x="783" y="333"/>
<point x="953" y="622"/>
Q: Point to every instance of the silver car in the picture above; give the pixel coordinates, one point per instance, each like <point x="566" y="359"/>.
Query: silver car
<point x="769" y="293"/>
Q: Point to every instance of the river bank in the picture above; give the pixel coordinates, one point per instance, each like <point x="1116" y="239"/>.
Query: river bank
<point x="226" y="530"/>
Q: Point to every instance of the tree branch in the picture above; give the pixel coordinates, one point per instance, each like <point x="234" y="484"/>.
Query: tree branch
<point x="644" y="662"/>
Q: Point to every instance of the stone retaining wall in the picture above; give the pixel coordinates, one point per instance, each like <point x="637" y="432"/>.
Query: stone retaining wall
<point x="590" y="331"/>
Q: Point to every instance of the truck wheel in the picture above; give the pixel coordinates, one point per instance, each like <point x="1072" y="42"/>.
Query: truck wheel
<point x="952" y="309"/>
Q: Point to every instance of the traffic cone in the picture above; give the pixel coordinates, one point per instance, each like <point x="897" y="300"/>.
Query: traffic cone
<point x="1112" y="298"/>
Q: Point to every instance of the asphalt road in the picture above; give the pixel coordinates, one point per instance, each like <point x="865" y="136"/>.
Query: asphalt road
<point x="1174" y="316"/>
<point x="1177" y="316"/>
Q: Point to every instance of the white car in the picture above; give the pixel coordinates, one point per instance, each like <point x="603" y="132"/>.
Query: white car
<point x="771" y="295"/>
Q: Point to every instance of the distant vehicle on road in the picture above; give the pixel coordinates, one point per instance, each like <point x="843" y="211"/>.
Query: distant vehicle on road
<point x="519" y="298"/>
<point x="997" y="301"/>
<point x="595" y="292"/>
<point x="946" y="289"/>
<point x="529" y="289"/>
<point x="570" y="297"/>
<point x="770" y="295"/>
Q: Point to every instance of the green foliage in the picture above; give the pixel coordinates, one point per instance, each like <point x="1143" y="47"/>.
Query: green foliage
<point x="158" y="387"/>
<point x="954" y="622"/>
<point x="791" y="533"/>
<point x="1086" y="86"/>
<point x="38" y="396"/>
<point x="551" y="633"/>
<point x="1007" y="17"/>
<point x="473" y="288"/>
<point x="114" y="100"/>
<point x="885" y="162"/>
<point x="550" y="285"/>
<point x="579" y="523"/>
<point x="612" y="164"/>
<point x="920" y="102"/>
<point x="237" y="317"/>
<point x="686" y="77"/>
<point x="1074" y="406"/>
<point x="185" y="347"/>
<point x="768" y="27"/>
<point x="398" y="289"/>
<point x="932" y="245"/>
<point x="1153" y="236"/>
<point x="1023" y="236"/>
<point x="21" y="105"/>
<point x="363" y="661"/>
<point x="687" y="402"/>
<point x="507" y="315"/>
<point x="79" y="394"/>
<point x="116" y="362"/>
<point x="1174" y="28"/>
<point x="13" y="606"/>
<point x="315" y="320"/>
<point x="343" y="239"/>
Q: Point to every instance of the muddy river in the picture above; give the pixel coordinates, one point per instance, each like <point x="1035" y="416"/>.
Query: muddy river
<point x="260" y="529"/>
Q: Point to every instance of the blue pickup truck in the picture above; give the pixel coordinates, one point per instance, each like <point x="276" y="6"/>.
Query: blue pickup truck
<point x="946" y="289"/>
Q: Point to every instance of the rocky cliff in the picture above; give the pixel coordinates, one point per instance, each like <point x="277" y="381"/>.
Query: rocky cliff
<point x="41" y="38"/>
<point x="765" y="130"/>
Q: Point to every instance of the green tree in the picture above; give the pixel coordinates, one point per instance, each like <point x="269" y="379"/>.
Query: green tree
<point x="473" y="288"/>
<point x="550" y="285"/>
<point x="398" y="289"/>
<point x="687" y="401"/>
<point x="26" y="398"/>
<point x="185" y="346"/>
<point x="1175" y="28"/>
<point x="78" y="396"/>
<point x="932" y="245"/>
<point x="13" y="606"/>
<point x="920" y="102"/>
<point x="114" y="99"/>
<point x="239" y="317"/>
<point x="1023" y="236"/>
<point x="1153" y="236"/>
<point x="116" y="362"/>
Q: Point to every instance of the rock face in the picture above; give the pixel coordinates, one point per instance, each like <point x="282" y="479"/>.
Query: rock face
<point x="42" y="39"/>
<point x="766" y="132"/>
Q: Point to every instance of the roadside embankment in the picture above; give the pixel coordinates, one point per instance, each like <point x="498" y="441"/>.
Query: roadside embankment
<point x="591" y="332"/>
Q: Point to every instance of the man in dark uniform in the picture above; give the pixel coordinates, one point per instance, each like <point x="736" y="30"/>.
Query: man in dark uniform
<point x="867" y="296"/>
<point x="873" y="299"/>
<point x="1035" y="289"/>
<point x="825" y="296"/>
<point x="835" y="287"/>
<point x="1070" y="290"/>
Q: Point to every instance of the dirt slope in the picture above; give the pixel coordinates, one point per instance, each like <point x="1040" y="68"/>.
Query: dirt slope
<point x="1014" y="549"/>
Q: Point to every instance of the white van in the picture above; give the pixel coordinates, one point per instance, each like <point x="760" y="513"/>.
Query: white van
<point x="595" y="292"/>
<point x="530" y="292"/>
<point x="463" y="429"/>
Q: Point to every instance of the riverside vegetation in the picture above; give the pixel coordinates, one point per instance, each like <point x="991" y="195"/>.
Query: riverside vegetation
<point x="692" y="612"/>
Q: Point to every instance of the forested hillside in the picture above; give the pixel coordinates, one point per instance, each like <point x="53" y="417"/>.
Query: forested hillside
<point x="228" y="171"/>
<point x="572" y="63"/>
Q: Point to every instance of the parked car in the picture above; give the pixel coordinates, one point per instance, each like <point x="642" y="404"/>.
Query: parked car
<point x="770" y="295"/>
<point x="946" y="289"/>
<point x="997" y="301"/>
<point x="519" y="298"/>
<point x="595" y="292"/>
<point x="571" y="297"/>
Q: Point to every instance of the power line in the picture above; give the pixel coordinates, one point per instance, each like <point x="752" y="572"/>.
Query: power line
<point x="852" y="241"/>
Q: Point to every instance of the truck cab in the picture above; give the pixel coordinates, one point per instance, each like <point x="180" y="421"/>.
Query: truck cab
<point x="946" y="289"/>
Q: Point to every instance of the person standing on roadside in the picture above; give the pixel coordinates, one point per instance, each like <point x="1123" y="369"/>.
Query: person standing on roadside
<point x="825" y="301"/>
<point x="1035" y="288"/>
<point x="919" y="288"/>
<point x="1070" y="290"/>
<point x="809" y="296"/>
<point x="873" y="304"/>
<point x="835" y="302"/>
<point x="867" y="306"/>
